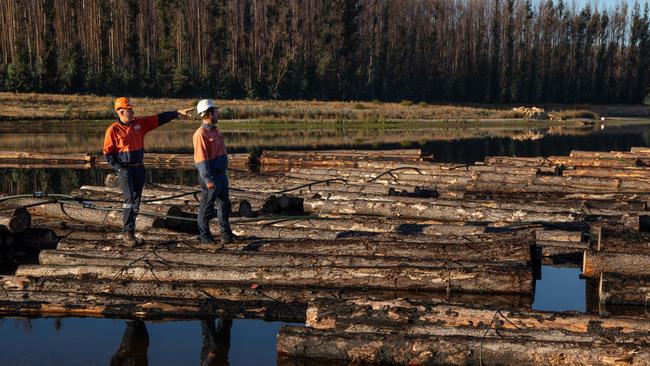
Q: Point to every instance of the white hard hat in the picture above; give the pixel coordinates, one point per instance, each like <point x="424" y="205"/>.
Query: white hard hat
<point x="203" y="105"/>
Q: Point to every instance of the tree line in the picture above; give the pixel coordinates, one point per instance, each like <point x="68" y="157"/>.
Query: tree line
<point x="423" y="50"/>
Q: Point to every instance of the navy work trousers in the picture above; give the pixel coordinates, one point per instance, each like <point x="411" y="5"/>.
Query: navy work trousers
<point x="215" y="203"/>
<point x="131" y="182"/>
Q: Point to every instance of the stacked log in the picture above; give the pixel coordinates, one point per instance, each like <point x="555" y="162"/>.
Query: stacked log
<point x="33" y="160"/>
<point x="335" y="158"/>
<point x="414" y="332"/>
<point x="617" y="263"/>
<point x="180" y="161"/>
<point x="155" y="300"/>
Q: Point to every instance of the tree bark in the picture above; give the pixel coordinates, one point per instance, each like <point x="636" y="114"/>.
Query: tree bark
<point x="163" y="258"/>
<point x="233" y="292"/>
<point x="594" y="263"/>
<point x="480" y="279"/>
<point x="616" y="289"/>
<point x="17" y="303"/>
<point x="404" y="313"/>
<point x="453" y="348"/>
<point x="459" y="212"/>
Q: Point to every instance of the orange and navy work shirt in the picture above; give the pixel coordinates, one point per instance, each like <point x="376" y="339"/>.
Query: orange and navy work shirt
<point x="210" y="155"/>
<point x="124" y="143"/>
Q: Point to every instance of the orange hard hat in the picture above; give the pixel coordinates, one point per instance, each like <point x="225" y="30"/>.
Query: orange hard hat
<point x="123" y="102"/>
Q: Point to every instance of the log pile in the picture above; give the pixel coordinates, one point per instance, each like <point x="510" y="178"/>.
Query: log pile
<point x="618" y="263"/>
<point x="408" y="332"/>
<point x="401" y="260"/>
<point x="32" y="160"/>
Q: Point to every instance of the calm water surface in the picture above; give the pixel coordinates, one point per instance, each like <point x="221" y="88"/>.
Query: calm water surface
<point x="73" y="341"/>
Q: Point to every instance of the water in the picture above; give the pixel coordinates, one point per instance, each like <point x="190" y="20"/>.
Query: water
<point x="73" y="341"/>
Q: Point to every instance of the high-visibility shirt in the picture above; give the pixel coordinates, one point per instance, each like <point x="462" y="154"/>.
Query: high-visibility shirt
<point x="124" y="143"/>
<point x="210" y="155"/>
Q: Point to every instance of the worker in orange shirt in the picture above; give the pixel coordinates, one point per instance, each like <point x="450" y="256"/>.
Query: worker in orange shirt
<point x="211" y="159"/>
<point x="124" y="151"/>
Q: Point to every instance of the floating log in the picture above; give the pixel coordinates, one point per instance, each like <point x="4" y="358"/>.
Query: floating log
<point x="604" y="154"/>
<point x="619" y="240"/>
<point x="335" y="158"/>
<point x="17" y="303"/>
<point x="182" y="161"/>
<point x="565" y="161"/>
<point x="594" y="263"/>
<point x="400" y="313"/>
<point x="376" y="225"/>
<point x="617" y="289"/>
<point x="232" y="292"/>
<point x="515" y="250"/>
<point x="454" y="347"/>
<point x="243" y="259"/>
<point x="481" y="279"/>
<point x="640" y="150"/>
<point x="18" y="159"/>
<point x="631" y="173"/>
<point x="19" y="220"/>
<point x="558" y="235"/>
<point x="77" y="212"/>
<point x="435" y="211"/>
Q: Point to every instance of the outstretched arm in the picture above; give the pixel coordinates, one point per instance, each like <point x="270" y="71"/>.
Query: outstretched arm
<point x="153" y="122"/>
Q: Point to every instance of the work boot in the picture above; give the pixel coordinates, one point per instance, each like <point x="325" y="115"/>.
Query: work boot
<point x="228" y="238"/>
<point x="211" y="241"/>
<point x="131" y="240"/>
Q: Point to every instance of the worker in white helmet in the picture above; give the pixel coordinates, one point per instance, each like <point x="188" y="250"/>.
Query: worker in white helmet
<point x="211" y="159"/>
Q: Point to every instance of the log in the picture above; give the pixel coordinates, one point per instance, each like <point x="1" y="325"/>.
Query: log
<point x="435" y="211"/>
<point x="350" y="315"/>
<point x="402" y="154"/>
<point x="636" y="173"/>
<point x="76" y="212"/>
<point x="558" y="235"/>
<point x="179" y="161"/>
<point x="451" y="347"/>
<point x="232" y="292"/>
<point x="468" y="249"/>
<point x="640" y="150"/>
<point x="515" y="249"/>
<point x="16" y="303"/>
<point x="566" y="161"/>
<point x="240" y="259"/>
<point x="602" y="154"/>
<point x="19" y="220"/>
<point x="619" y="240"/>
<point x="22" y="159"/>
<point x="616" y="289"/>
<point x="594" y="263"/>
<point x="481" y="279"/>
<point x="375" y="225"/>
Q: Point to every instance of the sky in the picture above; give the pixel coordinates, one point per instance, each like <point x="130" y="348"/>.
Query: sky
<point x="607" y="3"/>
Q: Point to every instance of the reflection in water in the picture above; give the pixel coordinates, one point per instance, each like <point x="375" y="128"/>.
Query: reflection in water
<point x="85" y="136"/>
<point x="133" y="347"/>
<point x="216" y="342"/>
